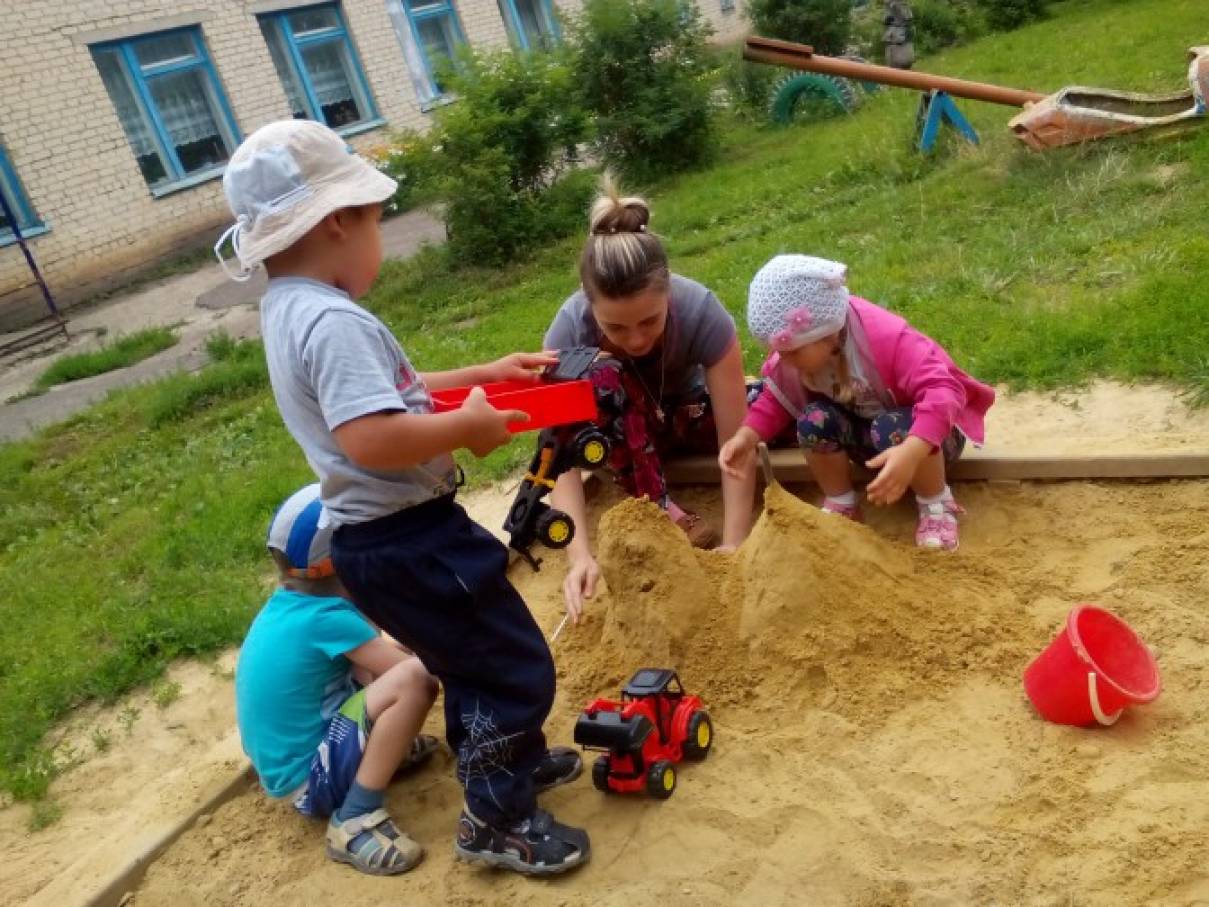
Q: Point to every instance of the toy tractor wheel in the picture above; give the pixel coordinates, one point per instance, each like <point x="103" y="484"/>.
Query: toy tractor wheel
<point x="591" y="449"/>
<point x="700" y="736"/>
<point x="661" y="779"/>
<point x="600" y="774"/>
<point x="555" y="529"/>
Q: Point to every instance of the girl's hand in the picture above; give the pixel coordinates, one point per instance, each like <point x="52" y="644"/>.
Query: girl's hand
<point x="896" y="470"/>
<point x="580" y="584"/>
<point x="736" y="456"/>
<point x="518" y="367"/>
<point x="487" y="427"/>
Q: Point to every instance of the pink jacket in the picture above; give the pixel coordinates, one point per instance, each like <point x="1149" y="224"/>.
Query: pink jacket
<point x="915" y="369"/>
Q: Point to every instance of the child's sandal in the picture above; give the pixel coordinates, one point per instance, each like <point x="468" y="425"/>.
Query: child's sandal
<point x="382" y="851"/>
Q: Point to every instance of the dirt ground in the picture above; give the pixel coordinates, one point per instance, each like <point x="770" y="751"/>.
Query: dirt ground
<point x="874" y="744"/>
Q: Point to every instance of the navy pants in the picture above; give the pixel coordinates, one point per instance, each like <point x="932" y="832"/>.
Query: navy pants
<point x="827" y="427"/>
<point x="435" y="580"/>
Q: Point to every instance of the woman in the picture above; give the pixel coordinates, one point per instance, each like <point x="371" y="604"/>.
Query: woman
<point x="673" y="382"/>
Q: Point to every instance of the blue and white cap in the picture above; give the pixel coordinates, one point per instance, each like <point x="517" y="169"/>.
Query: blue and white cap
<point x="302" y="531"/>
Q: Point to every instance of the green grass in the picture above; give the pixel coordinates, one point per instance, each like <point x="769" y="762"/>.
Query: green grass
<point x="133" y="534"/>
<point x="120" y="353"/>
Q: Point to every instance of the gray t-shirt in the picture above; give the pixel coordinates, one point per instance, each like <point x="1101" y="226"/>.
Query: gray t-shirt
<point x="331" y="361"/>
<point x="699" y="332"/>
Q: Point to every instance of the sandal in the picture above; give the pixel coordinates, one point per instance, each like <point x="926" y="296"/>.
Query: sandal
<point x="373" y="844"/>
<point x="422" y="748"/>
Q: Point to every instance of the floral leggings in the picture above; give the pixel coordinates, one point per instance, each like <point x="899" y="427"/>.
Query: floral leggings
<point x="644" y="432"/>
<point x="827" y="427"/>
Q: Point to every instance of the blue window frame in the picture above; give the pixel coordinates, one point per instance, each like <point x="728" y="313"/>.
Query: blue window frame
<point x="171" y="106"/>
<point x="532" y="24"/>
<point x="318" y="66"/>
<point x="436" y="34"/>
<point x="18" y="201"/>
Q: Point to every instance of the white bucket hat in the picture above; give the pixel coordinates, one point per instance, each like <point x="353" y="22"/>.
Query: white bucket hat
<point x="797" y="299"/>
<point x="284" y="179"/>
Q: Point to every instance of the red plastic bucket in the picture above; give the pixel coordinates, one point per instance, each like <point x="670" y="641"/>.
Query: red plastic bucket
<point x="1092" y="671"/>
<point x="547" y="403"/>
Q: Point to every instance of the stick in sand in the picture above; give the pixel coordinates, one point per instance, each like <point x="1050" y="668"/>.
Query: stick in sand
<point x="559" y="628"/>
<point x="766" y="464"/>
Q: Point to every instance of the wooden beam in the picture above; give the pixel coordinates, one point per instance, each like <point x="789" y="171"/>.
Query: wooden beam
<point x="981" y="465"/>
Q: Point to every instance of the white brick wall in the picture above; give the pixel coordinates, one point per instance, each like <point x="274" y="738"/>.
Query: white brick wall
<point x="65" y="142"/>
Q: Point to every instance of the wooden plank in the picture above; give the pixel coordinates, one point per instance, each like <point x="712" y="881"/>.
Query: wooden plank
<point x="981" y="465"/>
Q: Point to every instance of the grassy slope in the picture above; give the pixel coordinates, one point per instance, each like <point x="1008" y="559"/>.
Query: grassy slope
<point x="134" y="533"/>
<point x="119" y="353"/>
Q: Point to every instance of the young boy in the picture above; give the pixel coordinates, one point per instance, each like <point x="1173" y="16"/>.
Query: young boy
<point x="414" y="562"/>
<point x="307" y="727"/>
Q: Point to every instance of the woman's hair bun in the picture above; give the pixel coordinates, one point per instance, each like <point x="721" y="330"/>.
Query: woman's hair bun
<point x="613" y="213"/>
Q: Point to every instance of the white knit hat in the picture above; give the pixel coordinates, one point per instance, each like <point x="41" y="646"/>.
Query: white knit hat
<point x="284" y="179"/>
<point x="797" y="299"/>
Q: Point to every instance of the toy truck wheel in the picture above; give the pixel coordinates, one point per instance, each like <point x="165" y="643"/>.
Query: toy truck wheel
<point x="591" y="449"/>
<point x="600" y="773"/>
<point x="700" y="736"/>
<point x="555" y="529"/>
<point x="661" y="779"/>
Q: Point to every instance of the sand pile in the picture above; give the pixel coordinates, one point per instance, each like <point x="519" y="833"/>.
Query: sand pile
<point x="812" y="610"/>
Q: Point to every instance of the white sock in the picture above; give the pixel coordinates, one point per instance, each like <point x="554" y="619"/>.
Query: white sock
<point x="945" y="495"/>
<point x="847" y="499"/>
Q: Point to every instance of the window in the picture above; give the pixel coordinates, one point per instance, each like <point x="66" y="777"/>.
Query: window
<point x="531" y="23"/>
<point x="429" y="32"/>
<point x="14" y="194"/>
<point x="315" y="60"/>
<point x="170" y="105"/>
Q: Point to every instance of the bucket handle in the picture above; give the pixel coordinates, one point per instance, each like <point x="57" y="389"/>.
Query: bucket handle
<point x="1093" y="694"/>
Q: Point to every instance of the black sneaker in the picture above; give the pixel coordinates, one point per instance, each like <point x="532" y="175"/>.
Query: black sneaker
<point x="559" y="765"/>
<point x="537" y="845"/>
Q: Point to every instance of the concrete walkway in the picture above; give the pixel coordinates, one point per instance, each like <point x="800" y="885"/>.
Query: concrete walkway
<point x="195" y="304"/>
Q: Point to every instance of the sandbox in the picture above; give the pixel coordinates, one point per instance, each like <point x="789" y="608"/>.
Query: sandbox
<point x="874" y="745"/>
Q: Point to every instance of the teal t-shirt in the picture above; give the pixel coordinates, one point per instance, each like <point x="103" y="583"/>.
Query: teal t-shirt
<point x="291" y="678"/>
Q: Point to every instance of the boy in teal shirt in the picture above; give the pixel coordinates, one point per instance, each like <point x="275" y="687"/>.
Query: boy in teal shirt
<point x="311" y="729"/>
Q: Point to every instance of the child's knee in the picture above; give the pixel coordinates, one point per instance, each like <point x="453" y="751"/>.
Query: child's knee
<point x="889" y="429"/>
<point x="818" y="429"/>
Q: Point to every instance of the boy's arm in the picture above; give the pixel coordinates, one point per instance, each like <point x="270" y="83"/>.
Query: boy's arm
<point x="376" y="656"/>
<point x="514" y="367"/>
<point x="397" y="440"/>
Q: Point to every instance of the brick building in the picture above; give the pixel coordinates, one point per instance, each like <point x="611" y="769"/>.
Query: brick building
<point x="117" y="116"/>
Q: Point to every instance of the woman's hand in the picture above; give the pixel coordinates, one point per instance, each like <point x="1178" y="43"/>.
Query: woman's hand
<point x="518" y="367"/>
<point x="736" y="455"/>
<point x="580" y="584"/>
<point x="896" y="470"/>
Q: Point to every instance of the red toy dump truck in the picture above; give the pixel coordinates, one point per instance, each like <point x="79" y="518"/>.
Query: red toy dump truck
<point x="653" y="727"/>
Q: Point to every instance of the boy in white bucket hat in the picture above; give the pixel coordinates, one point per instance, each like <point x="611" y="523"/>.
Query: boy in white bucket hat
<point x="309" y="209"/>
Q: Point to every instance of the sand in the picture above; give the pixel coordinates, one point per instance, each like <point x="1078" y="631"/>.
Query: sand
<point x="873" y="742"/>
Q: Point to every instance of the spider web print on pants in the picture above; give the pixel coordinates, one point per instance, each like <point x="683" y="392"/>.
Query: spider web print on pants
<point x="485" y="752"/>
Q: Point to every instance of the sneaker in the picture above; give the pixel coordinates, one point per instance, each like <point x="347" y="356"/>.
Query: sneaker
<point x="853" y="513"/>
<point x="700" y="533"/>
<point x="560" y="765"/>
<point x="937" y="529"/>
<point x="536" y="846"/>
<point x="373" y="844"/>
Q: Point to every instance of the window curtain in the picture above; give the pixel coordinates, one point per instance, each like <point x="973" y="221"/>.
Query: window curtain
<point x="129" y="114"/>
<point x="184" y="108"/>
<point x="329" y="77"/>
<point x="411" y="52"/>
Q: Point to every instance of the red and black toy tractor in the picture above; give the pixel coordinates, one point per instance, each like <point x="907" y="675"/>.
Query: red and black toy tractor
<point x="653" y="727"/>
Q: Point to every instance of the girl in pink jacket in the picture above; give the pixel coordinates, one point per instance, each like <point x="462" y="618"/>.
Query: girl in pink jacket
<point x="858" y="382"/>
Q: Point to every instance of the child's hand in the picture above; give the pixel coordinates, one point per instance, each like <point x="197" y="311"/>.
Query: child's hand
<point x="580" y="584"/>
<point x="519" y="366"/>
<point x="735" y="457"/>
<point x="487" y="426"/>
<point x="897" y="467"/>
